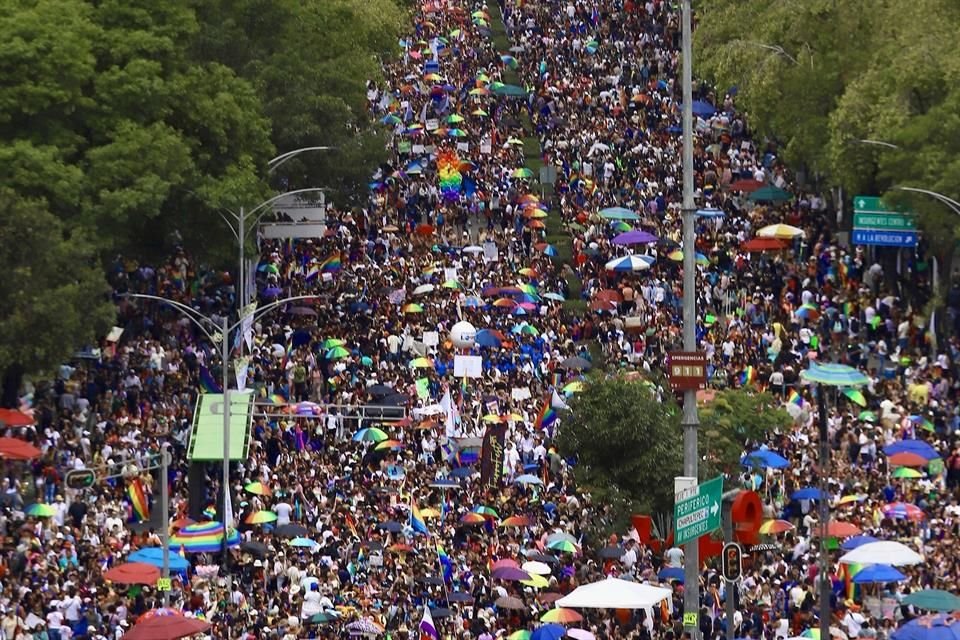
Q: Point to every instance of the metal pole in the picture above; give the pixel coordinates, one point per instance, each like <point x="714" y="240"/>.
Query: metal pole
<point x="824" y="507"/>
<point x="225" y="360"/>
<point x="730" y="599"/>
<point x="165" y="511"/>
<point x="241" y="292"/>
<point x="690" y="421"/>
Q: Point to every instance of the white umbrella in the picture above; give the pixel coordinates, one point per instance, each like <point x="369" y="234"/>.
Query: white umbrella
<point x="614" y="593"/>
<point x="882" y="552"/>
<point x="580" y="634"/>
<point x="560" y="535"/>
<point x="630" y="263"/>
<point x="472" y="249"/>
<point x="781" y="231"/>
<point x="424" y="288"/>
<point x="536" y="568"/>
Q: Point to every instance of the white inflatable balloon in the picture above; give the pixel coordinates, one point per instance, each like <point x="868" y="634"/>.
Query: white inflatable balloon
<point x="463" y="334"/>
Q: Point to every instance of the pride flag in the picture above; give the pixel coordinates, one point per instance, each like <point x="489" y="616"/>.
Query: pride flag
<point x="417" y="521"/>
<point x="332" y="264"/>
<point x="795" y="398"/>
<point x="547" y="416"/>
<point x="749" y="376"/>
<point x="138" y="500"/>
<point x="445" y="562"/>
<point x="208" y="384"/>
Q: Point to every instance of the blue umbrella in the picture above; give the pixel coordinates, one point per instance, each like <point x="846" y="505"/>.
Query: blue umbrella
<point x="918" y="447"/>
<point x="809" y="493"/>
<point x="878" y="573"/>
<point x="710" y="213"/>
<point x="154" y="556"/>
<point x="549" y="632"/>
<point x="857" y="541"/>
<point x="486" y="338"/>
<point x="528" y="478"/>
<point x="637" y="236"/>
<point x="671" y="573"/>
<point x="941" y="626"/>
<point x="764" y="458"/>
<point x="703" y="109"/>
<point x="461" y="472"/>
<point x="618" y="213"/>
<point x="834" y="375"/>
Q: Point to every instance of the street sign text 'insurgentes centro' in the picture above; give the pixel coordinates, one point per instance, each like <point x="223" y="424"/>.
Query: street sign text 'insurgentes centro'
<point x="696" y="510"/>
<point x="876" y="224"/>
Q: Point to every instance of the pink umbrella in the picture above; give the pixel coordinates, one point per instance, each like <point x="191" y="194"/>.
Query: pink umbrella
<point x="510" y="573"/>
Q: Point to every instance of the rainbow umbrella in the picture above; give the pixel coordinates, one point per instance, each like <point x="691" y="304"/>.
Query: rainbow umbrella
<point x="479" y="112"/>
<point x="40" y="510"/>
<point x="561" y="616"/>
<point x="906" y="473"/>
<point x="421" y="363"/>
<point x="370" y="434"/>
<point x="261" y="517"/>
<point x="522" y="172"/>
<point x="486" y="511"/>
<point x="258" y="489"/>
<point x="522" y="634"/>
<point x="472" y="518"/>
<point x="773" y="527"/>
<point x="413" y="307"/>
<point x="454" y="118"/>
<point x="388" y="444"/>
<point x="330" y="343"/>
<point x="535" y="214"/>
<point x="491" y="417"/>
<point x="530" y="273"/>
<point x="451" y="284"/>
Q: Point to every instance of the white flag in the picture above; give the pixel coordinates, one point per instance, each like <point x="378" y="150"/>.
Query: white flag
<point x="557" y="402"/>
<point x="446" y="403"/>
<point x="240" y="366"/>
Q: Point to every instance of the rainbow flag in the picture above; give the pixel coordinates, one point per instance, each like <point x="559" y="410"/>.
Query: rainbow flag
<point x="546" y="417"/>
<point x="312" y="273"/>
<point x="417" y="522"/>
<point x="138" y="500"/>
<point x="849" y="571"/>
<point x="332" y="264"/>
<point x="210" y="512"/>
<point x="795" y="398"/>
<point x="276" y="398"/>
<point x="352" y="525"/>
<point x="445" y="562"/>
<point x="208" y="384"/>
<point x="361" y="556"/>
<point x="749" y="376"/>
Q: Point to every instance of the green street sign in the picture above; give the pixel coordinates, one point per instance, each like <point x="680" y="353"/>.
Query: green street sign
<point x="886" y="221"/>
<point x="870" y="204"/>
<point x="696" y="511"/>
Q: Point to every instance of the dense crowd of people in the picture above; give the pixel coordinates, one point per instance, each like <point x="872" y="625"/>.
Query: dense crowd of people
<point x="361" y="503"/>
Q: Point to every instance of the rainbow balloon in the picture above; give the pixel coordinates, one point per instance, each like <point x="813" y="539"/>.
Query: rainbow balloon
<point x="448" y="170"/>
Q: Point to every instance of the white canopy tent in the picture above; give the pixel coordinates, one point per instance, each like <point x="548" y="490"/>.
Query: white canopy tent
<point x="614" y="593"/>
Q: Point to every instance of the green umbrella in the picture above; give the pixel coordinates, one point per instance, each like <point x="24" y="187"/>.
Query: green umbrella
<point x="322" y="618"/>
<point x="856" y="396"/>
<point x="867" y="416"/>
<point x="933" y="600"/>
<point x="510" y="90"/>
<point x="40" y="510"/>
<point x="906" y="473"/>
<point x="770" y="193"/>
<point x="330" y="343"/>
<point x="337" y="353"/>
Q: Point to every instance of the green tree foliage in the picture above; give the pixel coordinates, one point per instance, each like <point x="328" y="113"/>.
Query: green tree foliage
<point x="734" y="418"/>
<point x="310" y="62"/>
<point x="54" y="292"/>
<point x="626" y="440"/>
<point x="130" y="122"/>
<point x="821" y="76"/>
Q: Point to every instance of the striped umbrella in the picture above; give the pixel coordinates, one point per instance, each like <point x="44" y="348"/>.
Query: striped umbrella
<point x="261" y="517"/>
<point x="204" y="537"/>
<point x="834" y="375"/>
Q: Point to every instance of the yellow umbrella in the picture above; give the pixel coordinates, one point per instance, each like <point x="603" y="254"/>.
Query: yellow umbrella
<point x="780" y="231"/>
<point x="535" y="581"/>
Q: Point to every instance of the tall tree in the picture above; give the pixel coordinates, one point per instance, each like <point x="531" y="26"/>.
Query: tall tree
<point x="55" y="297"/>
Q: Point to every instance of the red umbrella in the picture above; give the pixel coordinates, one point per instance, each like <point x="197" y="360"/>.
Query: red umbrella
<point x="907" y="459"/>
<point x="610" y="295"/>
<point x="133" y="573"/>
<point x="506" y="562"/>
<point x="424" y="230"/>
<point x="16" y="449"/>
<point x="14" y="418"/>
<point x="166" y="627"/>
<point x="747" y="185"/>
<point x="763" y="244"/>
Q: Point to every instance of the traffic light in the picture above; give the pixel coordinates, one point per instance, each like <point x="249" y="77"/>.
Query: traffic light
<point x="731" y="561"/>
<point x="81" y="478"/>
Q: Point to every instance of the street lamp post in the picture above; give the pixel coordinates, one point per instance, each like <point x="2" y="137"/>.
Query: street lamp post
<point x="690" y="420"/>
<point x="238" y="226"/>
<point x="220" y="333"/>
<point x="274" y="163"/>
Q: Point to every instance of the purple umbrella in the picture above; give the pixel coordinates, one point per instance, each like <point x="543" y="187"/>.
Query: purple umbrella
<point x="272" y="292"/>
<point x="509" y="573"/>
<point x="637" y="236"/>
